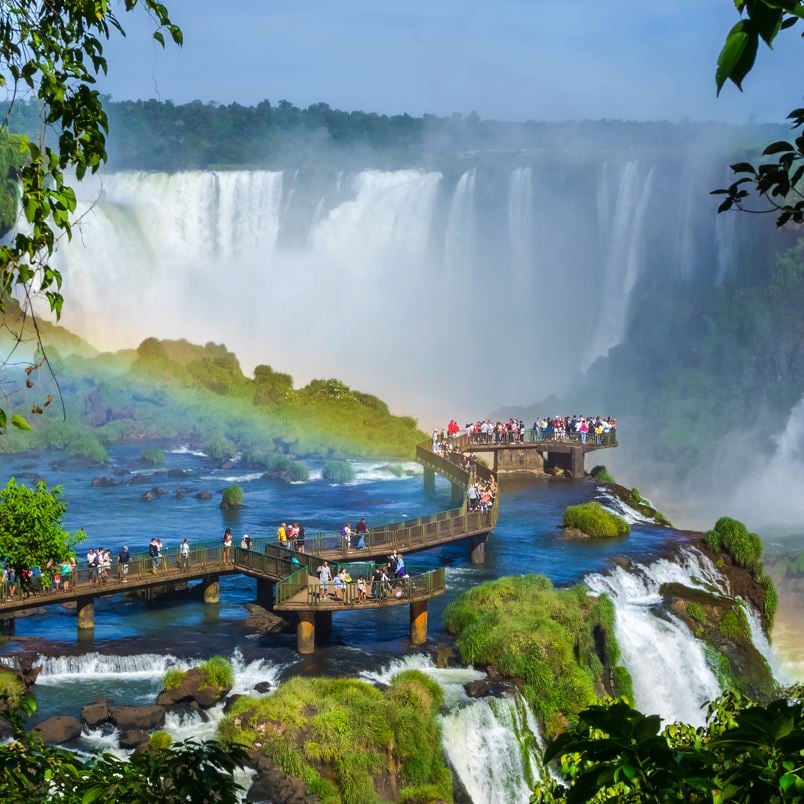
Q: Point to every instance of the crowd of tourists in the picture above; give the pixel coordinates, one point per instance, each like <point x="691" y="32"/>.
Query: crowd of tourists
<point x="586" y="429"/>
<point x="388" y="579"/>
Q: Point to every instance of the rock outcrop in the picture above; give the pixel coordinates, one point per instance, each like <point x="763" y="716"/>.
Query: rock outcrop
<point x="127" y="718"/>
<point x="59" y="729"/>
<point x="192" y="689"/>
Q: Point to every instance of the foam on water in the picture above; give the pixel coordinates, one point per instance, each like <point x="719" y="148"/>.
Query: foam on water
<point x="63" y="669"/>
<point x="185" y="449"/>
<point x="246" y="478"/>
<point x="667" y="663"/>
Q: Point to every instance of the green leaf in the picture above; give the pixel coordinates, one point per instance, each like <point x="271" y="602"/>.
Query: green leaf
<point x="20" y="422"/>
<point x="737" y="56"/>
<point x="3" y="419"/>
<point x="777" y="148"/>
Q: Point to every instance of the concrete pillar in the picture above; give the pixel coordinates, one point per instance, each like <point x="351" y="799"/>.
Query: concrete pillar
<point x="323" y="623"/>
<point x="477" y="549"/>
<point x="85" y="609"/>
<point x="576" y="467"/>
<point x="457" y="495"/>
<point x="429" y="480"/>
<point x="418" y="622"/>
<point x="305" y="632"/>
<point x="265" y="593"/>
<point x="212" y="589"/>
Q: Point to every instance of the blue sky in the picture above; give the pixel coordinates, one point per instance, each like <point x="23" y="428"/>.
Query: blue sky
<point x="507" y="59"/>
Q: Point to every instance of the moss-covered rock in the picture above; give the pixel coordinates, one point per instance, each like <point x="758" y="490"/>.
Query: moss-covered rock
<point x="232" y="497"/>
<point x="595" y="521"/>
<point x="338" y="472"/>
<point x="347" y="740"/>
<point x="721" y="623"/>
<point x="559" y="643"/>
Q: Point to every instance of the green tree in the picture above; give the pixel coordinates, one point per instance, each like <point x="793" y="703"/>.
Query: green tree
<point x="30" y="525"/>
<point x="746" y="753"/>
<point x="53" y="52"/>
<point x="777" y="184"/>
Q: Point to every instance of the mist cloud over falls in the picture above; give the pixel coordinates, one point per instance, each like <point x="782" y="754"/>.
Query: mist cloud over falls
<point x="447" y="292"/>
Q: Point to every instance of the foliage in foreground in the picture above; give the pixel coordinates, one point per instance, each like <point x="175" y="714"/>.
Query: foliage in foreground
<point x="348" y="741"/>
<point x="186" y="771"/>
<point x="560" y="642"/>
<point x="594" y="520"/>
<point x="746" y="753"/>
<point x="30" y="528"/>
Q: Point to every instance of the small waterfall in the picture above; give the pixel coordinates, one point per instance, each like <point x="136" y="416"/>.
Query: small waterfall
<point x="520" y="222"/>
<point x="667" y="664"/>
<point x="762" y="644"/>
<point x="493" y="745"/>
<point x="459" y="238"/>
<point x="61" y="669"/>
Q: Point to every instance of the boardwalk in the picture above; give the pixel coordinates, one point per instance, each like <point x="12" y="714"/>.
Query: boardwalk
<point x="286" y="575"/>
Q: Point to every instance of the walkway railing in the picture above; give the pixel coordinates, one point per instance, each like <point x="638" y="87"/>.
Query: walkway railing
<point x="424" y="584"/>
<point x="533" y="435"/>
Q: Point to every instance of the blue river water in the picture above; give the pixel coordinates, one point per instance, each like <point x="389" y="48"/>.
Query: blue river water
<point x="527" y="539"/>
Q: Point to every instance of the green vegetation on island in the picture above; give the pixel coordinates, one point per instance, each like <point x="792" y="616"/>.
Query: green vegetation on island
<point x="232" y="497"/>
<point x="594" y="520"/>
<point x="348" y="741"/>
<point x="174" y="390"/>
<point x="560" y="642"/>
<point x="730" y="537"/>
<point x="337" y="472"/>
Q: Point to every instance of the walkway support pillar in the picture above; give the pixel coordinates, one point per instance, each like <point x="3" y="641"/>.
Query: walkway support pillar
<point x="576" y="465"/>
<point x="85" y="611"/>
<point x="418" y="622"/>
<point x="305" y="632"/>
<point x="212" y="589"/>
<point x="265" y="593"/>
<point x="429" y="480"/>
<point x="477" y="549"/>
<point x="323" y="623"/>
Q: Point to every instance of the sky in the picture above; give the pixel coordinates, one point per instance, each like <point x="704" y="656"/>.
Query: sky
<point x="505" y="59"/>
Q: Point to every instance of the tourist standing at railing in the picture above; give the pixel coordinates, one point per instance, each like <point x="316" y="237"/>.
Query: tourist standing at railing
<point x="282" y="535"/>
<point x="400" y="566"/>
<point x="362" y="532"/>
<point x="184" y="554"/>
<point x="123" y="560"/>
<point x="227" y="546"/>
<point x="299" y="536"/>
<point x="324" y="577"/>
<point x="346" y="537"/>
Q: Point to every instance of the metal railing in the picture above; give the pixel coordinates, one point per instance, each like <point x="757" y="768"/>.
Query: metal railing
<point x="532" y="435"/>
<point x="291" y="586"/>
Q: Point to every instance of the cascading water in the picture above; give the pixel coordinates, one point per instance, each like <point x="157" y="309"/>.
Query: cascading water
<point x="667" y="664"/>
<point x="295" y="267"/>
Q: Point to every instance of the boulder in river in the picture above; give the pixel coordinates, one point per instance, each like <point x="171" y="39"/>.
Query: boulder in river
<point x="203" y="495"/>
<point x="192" y="688"/>
<point x="59" y="729"/>
<point x="486" y="687"/>
<point x="104" y="482"/>
<point x="132" y="738"/>
<point x="263" y="621"/>
<point x="152" y="494"/>
<point x="137" y="717"/>
<point x="96" y="713"/>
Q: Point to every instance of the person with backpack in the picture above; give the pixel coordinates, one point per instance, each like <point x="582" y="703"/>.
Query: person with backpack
<point x="153" y="552"/>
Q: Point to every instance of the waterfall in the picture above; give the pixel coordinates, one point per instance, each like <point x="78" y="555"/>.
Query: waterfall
<point x="668" y="665"/>
<point x="63" y="669"/>
<point x="624" y="257"/>
<point x="493" y="745"/>
<point x="459" y="238"/>
<point x="520" y="222"/>
<point x="293" y="268"/>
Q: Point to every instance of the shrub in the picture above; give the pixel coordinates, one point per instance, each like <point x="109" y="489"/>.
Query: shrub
<point x="732" y="537"/>
<point x="338" y="472"/>
<point x="733" y="625"/>
<point x="232" y="497"/>
<point x="594" y="520"/>
<point x="173" y="678"/>
<point x="160" y="741"/>
<point x="217" y="672"/>
<point x="219" y="447"/>
<point x="154" y="456"/>
<point x="602" y="474"/>
<point x="696" y="613"/>
<point x="771" y="600"/>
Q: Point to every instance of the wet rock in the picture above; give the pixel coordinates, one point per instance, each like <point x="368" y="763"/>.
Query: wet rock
<point x="273" y="784"/>
<point x="182" y="492"/>
<point x="133" y="738"/>
<point x="486" y="687"/>
<point x="96" y="713"/>
<point x="127" y="718"/>
<point x="192" y="689"/>
<point x="203" y="495"/>
<point x="574" y="533"/>
<point x="263" y="687"/>
<point x="103" y="482"/>
<point x="59" y="729"/>
<point x="228" y="465"/>
<point x="180" y="472"/>
<point x="263" y="621"/>
<point x="230" y="702"/>
<point x="138" y="478"/>
<point x="152" y="494"/>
